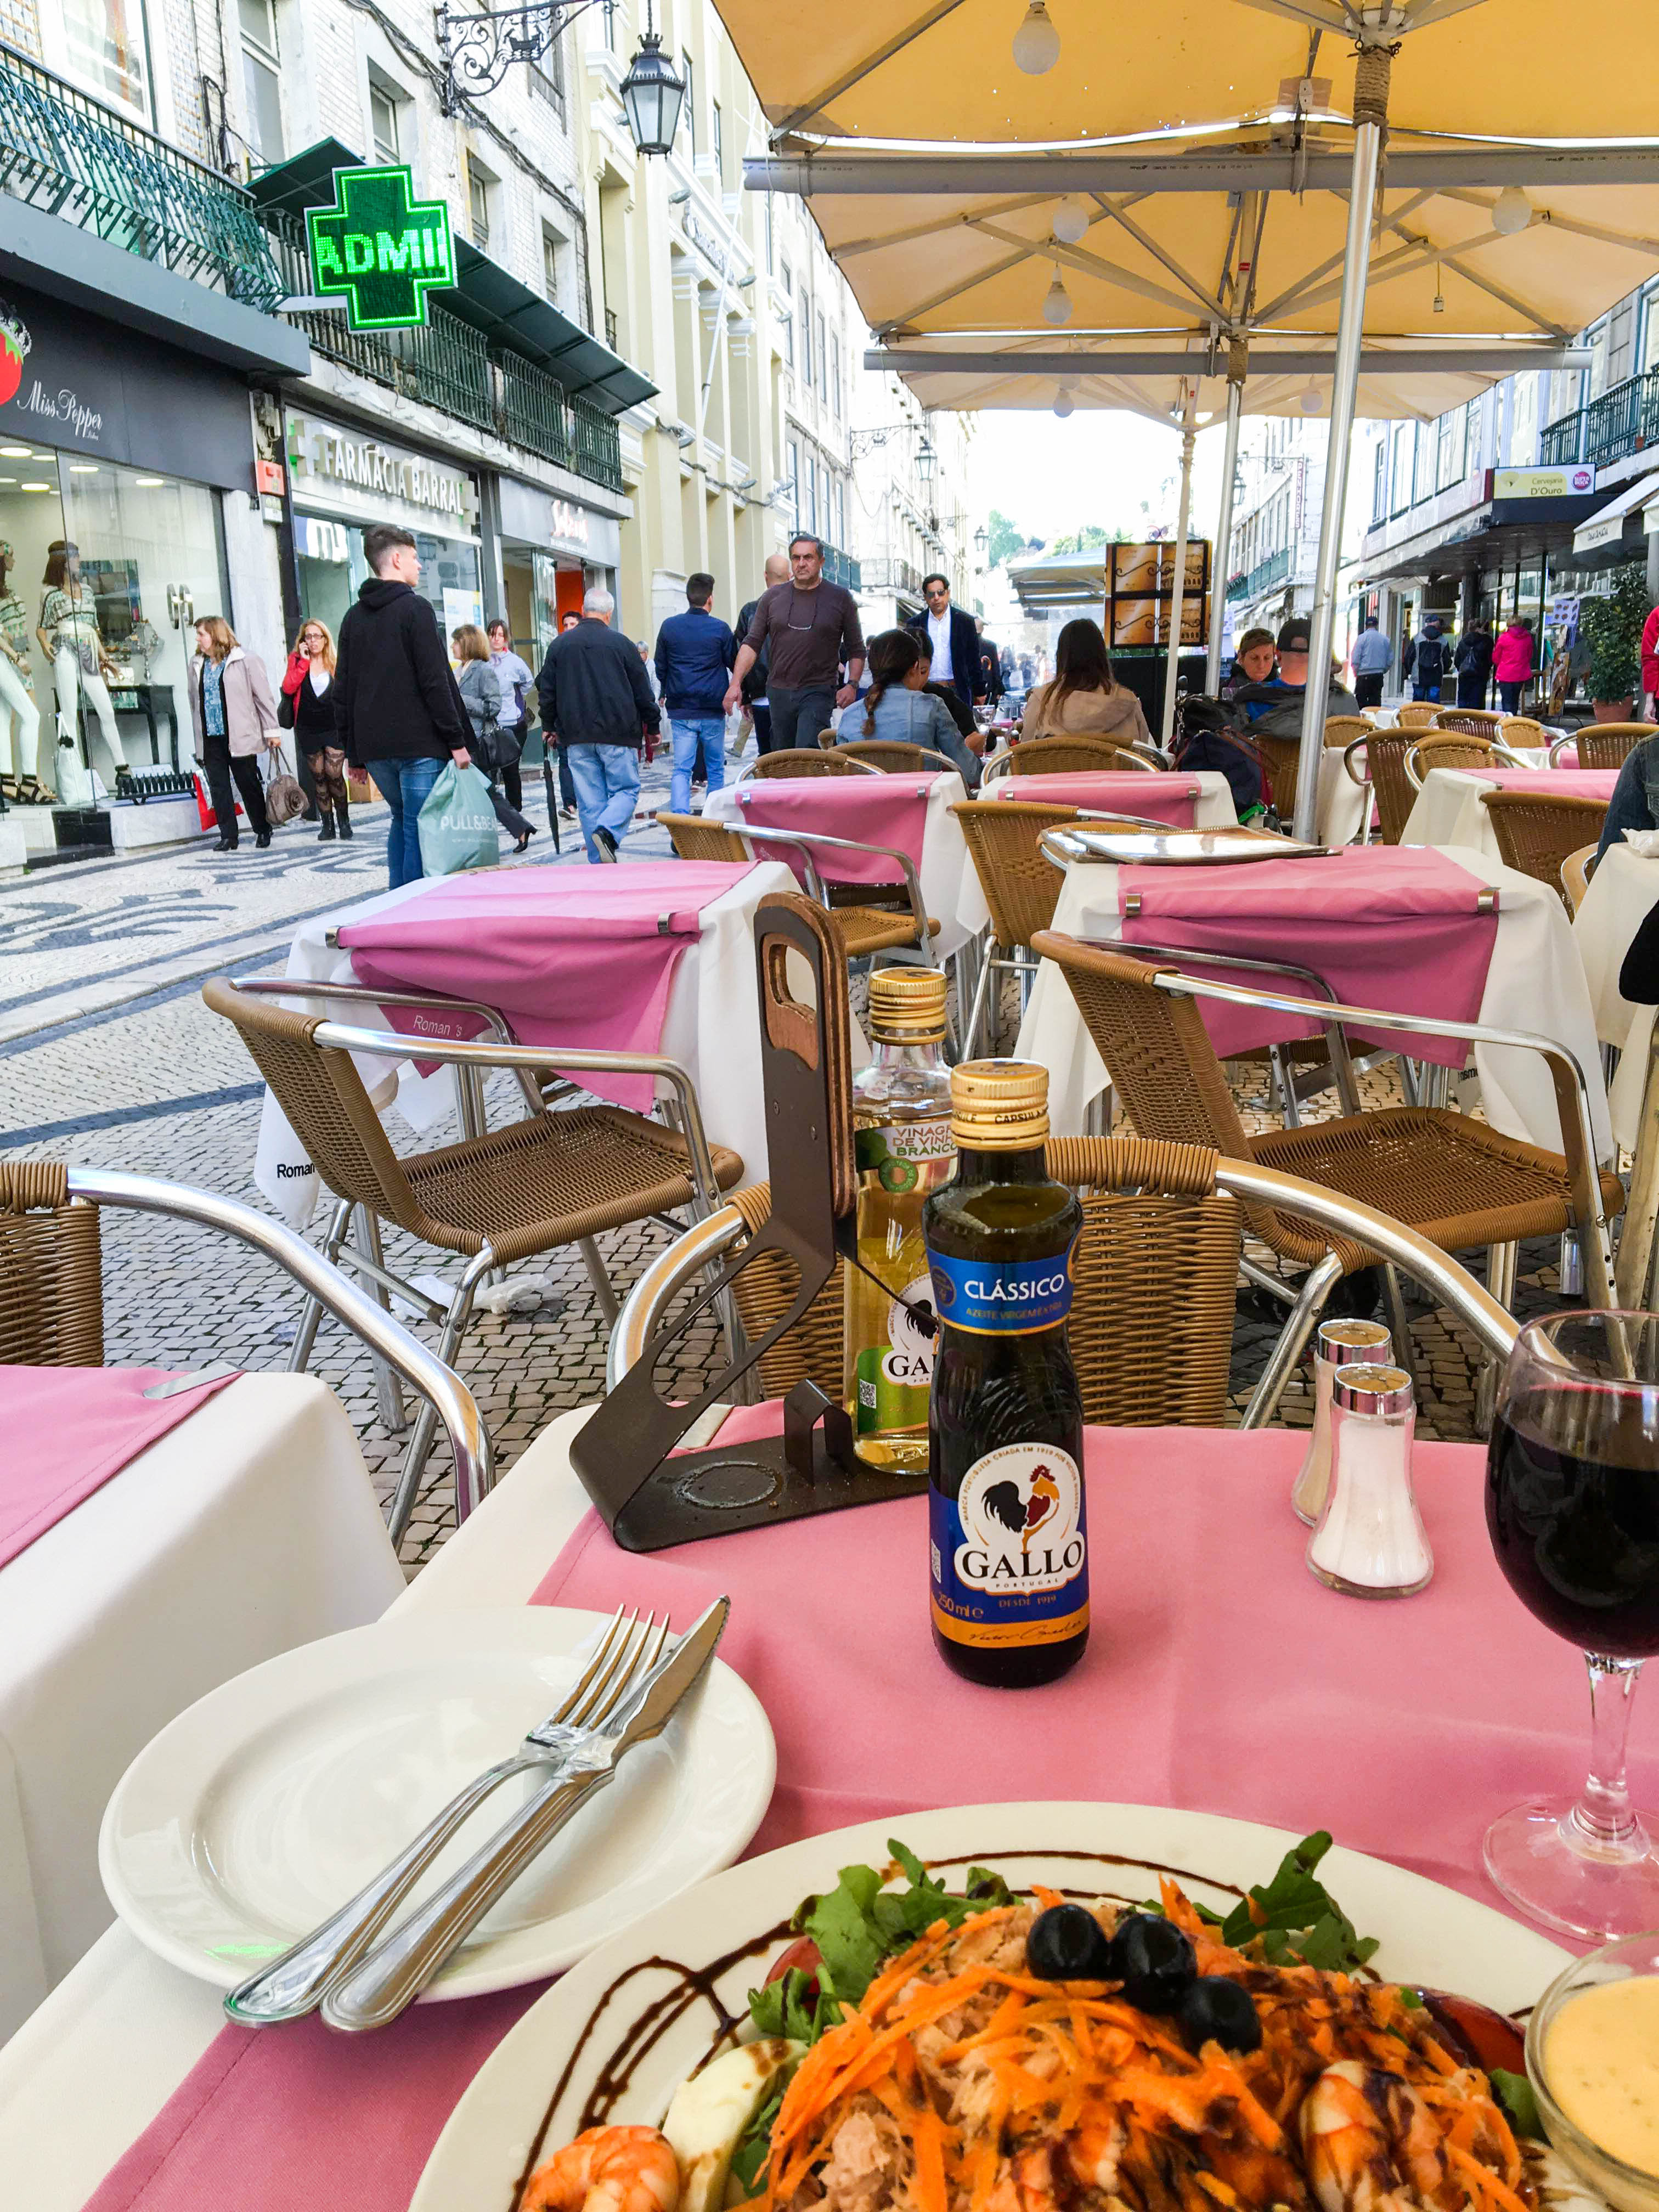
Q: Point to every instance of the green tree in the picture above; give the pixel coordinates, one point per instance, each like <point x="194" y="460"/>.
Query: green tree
<point x="1006" y="537"/>
<point x="1085" y="540"/>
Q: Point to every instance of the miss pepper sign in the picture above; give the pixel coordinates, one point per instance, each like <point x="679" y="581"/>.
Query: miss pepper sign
<point x="380" y="248"/>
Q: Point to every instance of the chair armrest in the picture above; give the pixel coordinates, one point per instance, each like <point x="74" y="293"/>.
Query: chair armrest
<point x="422" y="1369"/>
<point x="1568" y="738"/>
<point x="336" y="1037"/>
<point x="1517" y="760"/>
<point x="818" y="840"/>
<point x="1357" y="745"/>
<point x="292" y="986"/>
<point x="661" y="1282"/>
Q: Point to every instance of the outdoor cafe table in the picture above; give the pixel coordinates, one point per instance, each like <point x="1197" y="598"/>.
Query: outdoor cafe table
<point x="911" y="812"/>
<point x="710" y="1021"/>
<point x="245" y="1525"/>
<point x="1534" y="982"/>
<point x="1199" y="801"/>
<point x="1180" y="1700"/>
<point x="1622" y="893"/>
<point x="1448" y="809"/>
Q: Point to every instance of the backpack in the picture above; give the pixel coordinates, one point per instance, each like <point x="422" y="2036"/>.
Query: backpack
<point x="1208" y="736"/>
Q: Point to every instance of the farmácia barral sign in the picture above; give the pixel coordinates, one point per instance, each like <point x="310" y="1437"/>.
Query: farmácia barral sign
<point x="380" y="248"/>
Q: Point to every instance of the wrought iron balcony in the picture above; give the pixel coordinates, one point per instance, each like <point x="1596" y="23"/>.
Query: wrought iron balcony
<point x="1251" y="583"/>
<point x="1563" y="442"/>
<point x="1624" y="419"/>
<point x="840" y="567"/>
<point x="77" y="159"/>
<point x="901" y="576"/>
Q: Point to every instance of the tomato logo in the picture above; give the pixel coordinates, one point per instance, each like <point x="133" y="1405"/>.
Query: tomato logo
<point x="14" y="345"/>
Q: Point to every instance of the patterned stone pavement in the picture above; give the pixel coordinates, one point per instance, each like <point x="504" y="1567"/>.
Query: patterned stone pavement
<point x="109" y="1058"/>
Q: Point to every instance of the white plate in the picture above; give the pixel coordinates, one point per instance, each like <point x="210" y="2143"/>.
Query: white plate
<point x="260" y="1810"/>
<point x="535" y="2088"/>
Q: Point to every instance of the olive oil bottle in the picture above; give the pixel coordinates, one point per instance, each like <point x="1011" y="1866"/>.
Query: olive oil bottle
<point x="1010" y="1547"/>
<point x="904" y="1149"/>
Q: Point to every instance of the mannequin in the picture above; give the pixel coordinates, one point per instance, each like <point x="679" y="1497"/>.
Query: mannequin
<point x="20" y="717"/>
<point x="69" y="639"/>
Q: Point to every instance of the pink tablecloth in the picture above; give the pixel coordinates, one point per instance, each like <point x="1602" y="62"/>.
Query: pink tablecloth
<point x="1393" y="927"/>
<point x="582" y="958"/>
<point x="1564" y="783"/>
<point x="1219" y="1675"/>
<point x="886" y="809"/>
<point x="1171" y="798"/>
<point x="68" y="1429"/>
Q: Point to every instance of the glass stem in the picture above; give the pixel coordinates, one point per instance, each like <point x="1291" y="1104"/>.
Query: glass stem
<point x="1602" y="1824"/>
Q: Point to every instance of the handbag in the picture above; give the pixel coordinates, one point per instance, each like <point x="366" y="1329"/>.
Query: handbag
<point x="284" y="800"/>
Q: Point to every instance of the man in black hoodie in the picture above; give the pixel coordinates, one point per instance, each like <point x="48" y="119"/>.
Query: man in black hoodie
<point x="397" y="706"/>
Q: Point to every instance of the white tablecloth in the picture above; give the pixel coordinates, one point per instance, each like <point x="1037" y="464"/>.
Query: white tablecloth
<point x="1339" y="802"/>
<point x="1623" y="892"/>
<point x="248" y="1529"/>
<point x="712" y="1028"/>
<point x="1448" y="809"/>
<point x="1534" y="984"/>
<point x="91" y="2068"/>
<point x="949" y="882"/>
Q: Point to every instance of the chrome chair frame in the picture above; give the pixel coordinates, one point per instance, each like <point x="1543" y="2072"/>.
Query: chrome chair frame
<point x="1499" y="752"/>
<point x="447" y="1398"/>
<point x="810" y="840"/>
<point x="1158" y="761"/>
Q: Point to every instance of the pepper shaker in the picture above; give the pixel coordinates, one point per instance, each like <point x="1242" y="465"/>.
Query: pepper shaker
<point x="1370" y="1541"/>
<point x="1338" y="1344"/>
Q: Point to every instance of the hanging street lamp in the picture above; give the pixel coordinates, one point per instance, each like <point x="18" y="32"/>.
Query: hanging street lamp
<point x="653" y="95"/>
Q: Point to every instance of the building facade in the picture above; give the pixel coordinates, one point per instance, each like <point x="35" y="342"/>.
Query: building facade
<point x="1280" y="493"/>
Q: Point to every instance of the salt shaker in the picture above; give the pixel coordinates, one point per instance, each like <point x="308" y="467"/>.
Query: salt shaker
<point x="1338" y="1344"/>
<point x="1370" y="1540"/>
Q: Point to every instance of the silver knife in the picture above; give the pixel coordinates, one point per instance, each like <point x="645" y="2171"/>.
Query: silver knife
<point x="396" y="1971"/>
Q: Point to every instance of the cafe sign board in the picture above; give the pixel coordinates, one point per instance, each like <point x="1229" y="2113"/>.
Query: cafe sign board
<point x="380" y="248"/>
<point x="1542" y="484"/>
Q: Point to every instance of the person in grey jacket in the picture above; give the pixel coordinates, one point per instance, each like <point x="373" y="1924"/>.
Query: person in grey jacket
<point x="481" y="695"/>
<point x="896" y="706"/>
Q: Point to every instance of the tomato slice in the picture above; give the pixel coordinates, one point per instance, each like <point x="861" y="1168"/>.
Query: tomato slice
<point x="803" y="1954"/>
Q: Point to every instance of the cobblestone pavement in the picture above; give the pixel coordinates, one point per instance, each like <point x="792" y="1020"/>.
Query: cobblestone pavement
<point x="109" y="1059"/>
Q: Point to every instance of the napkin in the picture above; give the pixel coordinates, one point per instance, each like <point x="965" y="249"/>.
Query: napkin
<point x="1644" y="842"/>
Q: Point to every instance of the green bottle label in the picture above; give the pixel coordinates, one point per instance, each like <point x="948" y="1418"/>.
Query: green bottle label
<point x="894" y="1378"/>
<point x="899" y="1155"/>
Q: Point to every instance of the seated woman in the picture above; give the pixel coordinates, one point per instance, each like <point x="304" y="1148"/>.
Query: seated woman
<point x="896" y="706"/>
<point x="1083" y="700"/>
<point x="1635" y="801"/>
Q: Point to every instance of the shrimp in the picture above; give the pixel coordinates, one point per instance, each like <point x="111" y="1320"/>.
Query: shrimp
<point x="608" y="2170"/>
<point x="1370" y="2143"/>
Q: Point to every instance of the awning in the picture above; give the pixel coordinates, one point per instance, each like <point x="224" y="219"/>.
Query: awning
<point x="1607" y="526"/>
<point x="487" y="296"/>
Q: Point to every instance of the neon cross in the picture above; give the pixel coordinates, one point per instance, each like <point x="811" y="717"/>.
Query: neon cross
<point x="381" y="248"/>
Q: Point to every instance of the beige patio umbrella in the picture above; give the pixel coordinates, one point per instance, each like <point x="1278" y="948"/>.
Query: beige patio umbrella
<point x="1315" y="81"/>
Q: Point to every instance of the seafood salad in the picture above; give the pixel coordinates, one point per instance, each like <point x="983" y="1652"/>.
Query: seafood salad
<point x="917" y="2051"/>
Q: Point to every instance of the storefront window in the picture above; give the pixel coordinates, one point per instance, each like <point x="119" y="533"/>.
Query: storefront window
<point x="332" y="567"/>
<point x="116" y="611"/>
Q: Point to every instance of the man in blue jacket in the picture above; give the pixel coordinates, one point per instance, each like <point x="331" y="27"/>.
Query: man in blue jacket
<point x="695" y="655"/>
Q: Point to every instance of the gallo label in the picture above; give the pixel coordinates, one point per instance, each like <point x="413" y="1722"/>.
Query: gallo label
<point x="1010" y="1550"/>
<point x="894" y="1378"/>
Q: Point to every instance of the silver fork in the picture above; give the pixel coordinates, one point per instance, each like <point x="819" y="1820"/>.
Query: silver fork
<point x="288" y="1987"/>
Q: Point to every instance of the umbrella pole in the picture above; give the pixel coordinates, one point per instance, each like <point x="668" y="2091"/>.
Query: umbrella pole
<point x="1370" y="110"/>
<point x="1224" y="532"/>
<point x="1188" y="432"/>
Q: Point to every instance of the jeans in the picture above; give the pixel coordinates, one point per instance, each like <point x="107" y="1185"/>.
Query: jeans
<point x="405" y="785"/>
<point x="1422" y="692"/>
<point x="1510" y="695"/>
<point x="760" y="712"/>
<point x="797" y="716"/>
<point x="1368" y="688"/>
<point x="1634" y="795"/>
<point x="220" y="764"/>
<point x="686" y="733"/>
<point x="607" y="781"/>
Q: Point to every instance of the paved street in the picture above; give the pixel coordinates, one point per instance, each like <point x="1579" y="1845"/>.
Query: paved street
<point x="109" y="1058"/>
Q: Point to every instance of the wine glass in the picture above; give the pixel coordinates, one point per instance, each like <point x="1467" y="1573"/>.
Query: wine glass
<point x="1572" y="1508"/>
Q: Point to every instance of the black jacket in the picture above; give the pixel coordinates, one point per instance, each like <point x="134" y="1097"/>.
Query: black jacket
<point x="754" y="684"/>
<point x="966" y="677"/>
<point x="395" y="695"/>
<point x="594" y="690"/>
<point x="310" y="716"/>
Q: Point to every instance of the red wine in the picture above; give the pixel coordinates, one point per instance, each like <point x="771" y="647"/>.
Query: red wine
<point x="1577" y="1538"/>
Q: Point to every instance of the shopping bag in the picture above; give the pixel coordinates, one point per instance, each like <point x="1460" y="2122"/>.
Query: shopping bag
<point x="457" y="824"/>
<point x="74" y="778"/>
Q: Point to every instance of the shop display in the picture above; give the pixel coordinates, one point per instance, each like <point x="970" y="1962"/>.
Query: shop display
<point x="72" y="641"/>
<point x="20" y="717"/>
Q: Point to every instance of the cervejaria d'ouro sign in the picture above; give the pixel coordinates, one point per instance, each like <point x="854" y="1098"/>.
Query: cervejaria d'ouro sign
<point x="380" y="248"/>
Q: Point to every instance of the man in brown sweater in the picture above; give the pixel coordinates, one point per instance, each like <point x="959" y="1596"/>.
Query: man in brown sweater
<point x="808" y="628"/>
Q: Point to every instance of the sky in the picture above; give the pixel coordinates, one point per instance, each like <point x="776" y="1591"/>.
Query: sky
<point x="1049" y="477"/>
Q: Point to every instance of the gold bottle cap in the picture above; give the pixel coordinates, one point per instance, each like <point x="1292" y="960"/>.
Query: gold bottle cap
<point x="906" y="1006"/>
<point x="998" y="1104"/>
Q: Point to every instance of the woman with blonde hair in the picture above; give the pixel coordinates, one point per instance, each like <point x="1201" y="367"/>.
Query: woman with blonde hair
<point x="306" y="707"/>
<point x="234" y="717"/>
<point x="481" y="695"/>
<point x="1084" y="698"/>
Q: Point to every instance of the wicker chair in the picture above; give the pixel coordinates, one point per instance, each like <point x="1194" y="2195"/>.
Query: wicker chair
<point x="1020" y="883"/>
<point x="1343" y="729"/>
<point x="892" y="756"/>
<point x="1078" y="756"/>
<point x="1536" y="831"/>
<point x="1155" y="1273"/>
<point x="506" y="1195"/>
<point x="1452" y="1179"/>
<point x="1576" y="873"/>
<point x="1468" y="721"/>
<point x="1523" y="733"/>
<point x="799" y="762"/>
<point x="1379" y="761"/>
<point x="52" y="1296"/>
<point x="1416" y="714"/>
<point x="1609" y="745"/>
<point x="1454" y="750"/>
<point x="862" y="929"/>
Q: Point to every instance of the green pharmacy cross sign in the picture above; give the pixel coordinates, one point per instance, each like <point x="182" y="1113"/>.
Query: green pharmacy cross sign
<point x="380" y="248"/>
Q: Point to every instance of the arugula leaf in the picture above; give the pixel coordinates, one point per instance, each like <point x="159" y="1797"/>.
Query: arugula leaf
<point x="851" y="1946"/>
<point x="788" y="2007"/>
<point x="756" y="2141"/>
<point x="1514" y="2093"/>
<point x="1294" y="1917"/>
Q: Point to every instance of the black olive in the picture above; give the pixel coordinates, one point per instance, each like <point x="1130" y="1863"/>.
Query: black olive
<point x="1153" y="1959"/>
<point x="1067" y="1944"/>
<point x="1213" y="2010"/>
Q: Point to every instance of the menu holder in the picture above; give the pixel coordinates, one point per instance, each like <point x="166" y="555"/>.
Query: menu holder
<point x="650" y="1497"/>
